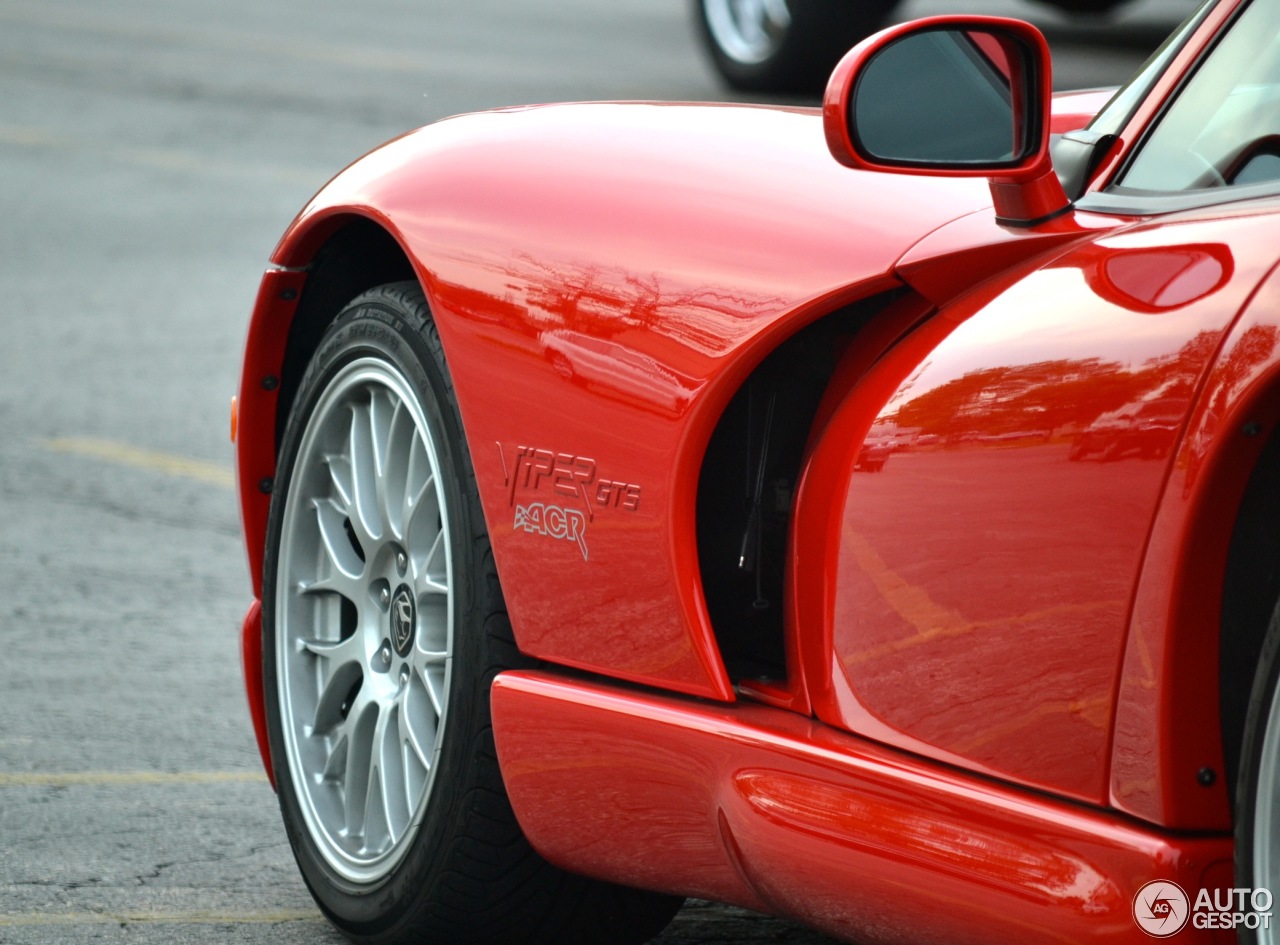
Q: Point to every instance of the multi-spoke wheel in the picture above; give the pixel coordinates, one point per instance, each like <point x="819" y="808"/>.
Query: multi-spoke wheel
<point x="383" y="626"/>
<point x="783" y="45"/>
<point x="366" y="613"/>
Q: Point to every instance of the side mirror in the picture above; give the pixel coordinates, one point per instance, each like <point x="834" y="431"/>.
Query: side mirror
<point x="951" y="96"/>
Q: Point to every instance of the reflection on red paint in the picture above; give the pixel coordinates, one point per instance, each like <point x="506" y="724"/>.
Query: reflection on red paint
<point x="1164" y="687"/>
<point x="618" y="370"/>
<point x="602" y="288"/>
<point x="1145" y="427"/>
<point x="1158" y="279"/>
<point x="941" y="842"/>
<point x="984" y="578"/>
<point x="774" y="812"/>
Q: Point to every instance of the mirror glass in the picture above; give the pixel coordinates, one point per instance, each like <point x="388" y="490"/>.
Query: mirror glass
<point x="941" y="97"/>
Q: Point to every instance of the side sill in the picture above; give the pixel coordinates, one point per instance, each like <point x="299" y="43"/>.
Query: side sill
<point x="765" y="809"/>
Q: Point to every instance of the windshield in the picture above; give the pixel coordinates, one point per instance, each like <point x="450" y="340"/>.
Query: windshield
<point x="1224" y="126"/>
<point x="1117" y="112"/>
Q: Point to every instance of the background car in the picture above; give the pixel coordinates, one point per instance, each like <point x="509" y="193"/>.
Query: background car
<point x="1143" y="428"/>
<point x="792" y="45"/>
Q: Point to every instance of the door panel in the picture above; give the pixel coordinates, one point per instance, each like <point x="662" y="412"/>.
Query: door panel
<point x="996" y="512"/>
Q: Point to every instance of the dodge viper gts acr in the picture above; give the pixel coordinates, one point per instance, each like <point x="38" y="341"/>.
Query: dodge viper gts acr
<point x="649" y="501"/>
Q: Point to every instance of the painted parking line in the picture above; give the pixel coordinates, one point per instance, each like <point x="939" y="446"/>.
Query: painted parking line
<point x="125" y="455"/>
<point x="136" y="917"/>
<point x="47" y="919"/>
<point x="102" y="778"/>
<point x="96" y="20"/>
<point x="162" y="159"/>
<point x="134" y="778"/>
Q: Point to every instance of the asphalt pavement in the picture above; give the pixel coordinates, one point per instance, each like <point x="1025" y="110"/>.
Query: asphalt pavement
<point x="150" y="155"/>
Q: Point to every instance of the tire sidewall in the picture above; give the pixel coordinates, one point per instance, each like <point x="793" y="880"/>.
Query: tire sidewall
<point x="821" y="31"/>
<point x="1262" y="695"/>
<point x="371" y="327"/>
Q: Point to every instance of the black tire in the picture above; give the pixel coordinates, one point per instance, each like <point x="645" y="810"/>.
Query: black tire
<point x="450" y="864"/>
<point x="799" y="56"/>
<point x="1258" y="867"/>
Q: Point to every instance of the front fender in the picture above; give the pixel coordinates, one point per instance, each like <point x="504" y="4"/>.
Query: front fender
<point x="604" y="277"/>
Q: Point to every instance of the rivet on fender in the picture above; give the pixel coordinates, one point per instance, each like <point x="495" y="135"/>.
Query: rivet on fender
<point x="265" y="485"/>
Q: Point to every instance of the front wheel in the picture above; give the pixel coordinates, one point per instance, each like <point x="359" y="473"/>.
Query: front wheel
<point x="384" y="625"/>
<point x="783" y="45"/>
<point x="1258" y="785"/>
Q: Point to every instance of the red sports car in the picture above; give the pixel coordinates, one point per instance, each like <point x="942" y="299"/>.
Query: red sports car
<point x="570" y="599"/>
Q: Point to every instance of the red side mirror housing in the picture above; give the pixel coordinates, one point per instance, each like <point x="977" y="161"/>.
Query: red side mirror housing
<point x="952" y="96"/>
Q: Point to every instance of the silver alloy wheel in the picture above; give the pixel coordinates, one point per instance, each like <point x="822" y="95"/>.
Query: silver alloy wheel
<point x="747" y="31"/>
<point x="1266" y="813"/>
<point x="364" y="619"/>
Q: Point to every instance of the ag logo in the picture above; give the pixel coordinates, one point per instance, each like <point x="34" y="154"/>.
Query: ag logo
<point x="1161" y="908"/>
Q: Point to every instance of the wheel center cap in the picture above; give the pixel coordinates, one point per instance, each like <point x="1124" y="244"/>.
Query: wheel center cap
<point x="403" y="619"/>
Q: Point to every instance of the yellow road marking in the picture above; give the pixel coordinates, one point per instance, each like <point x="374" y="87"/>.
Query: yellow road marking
<point x="168" y="918"/>
<point x="100" y="778"/>
<point x="84" y="20"/>
<point x="144" y="459"/>
<point x="934" y="621"/>
<point x="167" y="159"/>
<point x="203" y="917"/>
<point x="911" y="602"/>
<point x="1094" y="711"/>
<point x="931" y="620"/>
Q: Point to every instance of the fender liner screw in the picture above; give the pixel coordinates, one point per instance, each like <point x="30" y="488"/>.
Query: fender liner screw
<point x="1206" y="777"/>
<point x="266" y="484"/>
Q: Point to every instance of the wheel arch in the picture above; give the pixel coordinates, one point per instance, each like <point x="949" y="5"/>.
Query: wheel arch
<point x="1251" y="587"/>
<point x="357" y="254"/>
<point x="490" y="238"/>
<point x="321" y="266"/>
